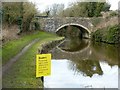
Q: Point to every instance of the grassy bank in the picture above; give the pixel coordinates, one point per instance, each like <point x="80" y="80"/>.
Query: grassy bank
<point x="107" y="35"/>
<point x="11" y="48"/>
<point x="22" y="73"/>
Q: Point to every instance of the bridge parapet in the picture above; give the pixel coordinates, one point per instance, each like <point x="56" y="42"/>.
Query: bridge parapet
<point x="53" y="24"/>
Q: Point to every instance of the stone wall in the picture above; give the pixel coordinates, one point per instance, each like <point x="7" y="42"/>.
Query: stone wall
<point x="54" y="23"/>
<point x="47" y="47"/>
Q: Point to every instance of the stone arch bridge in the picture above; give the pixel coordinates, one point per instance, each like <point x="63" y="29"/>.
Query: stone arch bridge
<point x="54" y="24"/>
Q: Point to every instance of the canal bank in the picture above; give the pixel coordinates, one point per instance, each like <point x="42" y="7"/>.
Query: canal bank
<point x="22" y="72"/>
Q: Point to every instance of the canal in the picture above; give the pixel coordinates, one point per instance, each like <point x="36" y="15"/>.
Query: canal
<point x="81" y="63"/>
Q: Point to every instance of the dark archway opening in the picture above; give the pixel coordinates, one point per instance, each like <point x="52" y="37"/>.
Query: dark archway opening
<point x="72" y="31"/>
<point x="74" y="38"/>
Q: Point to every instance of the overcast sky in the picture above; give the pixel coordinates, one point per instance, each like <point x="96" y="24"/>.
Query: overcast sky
<point x="43" y="4"/>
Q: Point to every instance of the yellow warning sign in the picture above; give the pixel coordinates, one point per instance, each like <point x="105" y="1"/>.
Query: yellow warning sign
<point x="43" y="65"/>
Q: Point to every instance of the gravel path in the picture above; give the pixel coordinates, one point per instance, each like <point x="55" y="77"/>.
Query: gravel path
<point x="15" y="58"/>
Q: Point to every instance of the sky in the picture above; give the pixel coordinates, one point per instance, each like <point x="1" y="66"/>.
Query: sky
<point x="43" y="4"/>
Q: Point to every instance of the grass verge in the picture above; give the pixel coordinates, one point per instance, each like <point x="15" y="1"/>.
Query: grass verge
<point x="22" y="73"/>
<point x="11" y="48"/>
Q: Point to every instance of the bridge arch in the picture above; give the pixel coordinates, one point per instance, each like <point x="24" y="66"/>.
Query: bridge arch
<point x="74" y="24"/>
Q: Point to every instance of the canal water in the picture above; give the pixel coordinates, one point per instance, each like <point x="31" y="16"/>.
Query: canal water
<point x="81" y="63"/>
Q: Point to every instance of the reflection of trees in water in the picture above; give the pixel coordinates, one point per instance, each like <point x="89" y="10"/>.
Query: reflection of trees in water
<point x="73" y="44"/>
<point x="87" y="60"/>
<point x="87" y="67"/>
<point x="106" y="52"/>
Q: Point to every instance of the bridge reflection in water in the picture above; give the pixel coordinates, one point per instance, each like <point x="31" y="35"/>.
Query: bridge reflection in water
<point x="80" y="63"/>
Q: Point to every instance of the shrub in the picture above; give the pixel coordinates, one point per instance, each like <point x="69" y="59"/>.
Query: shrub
<point x="97" y="36"/>
<point x="108" y="35"/>
<point x="113" y="13"/>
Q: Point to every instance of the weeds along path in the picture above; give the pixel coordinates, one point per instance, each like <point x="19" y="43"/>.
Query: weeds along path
<point x="15" y="58"/>
<point x="22" y="73"/>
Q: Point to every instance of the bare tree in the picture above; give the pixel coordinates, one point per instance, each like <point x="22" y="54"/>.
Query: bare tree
<point x="55" y="9"/>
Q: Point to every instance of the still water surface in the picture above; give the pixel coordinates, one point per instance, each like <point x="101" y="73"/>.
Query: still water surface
<point x="83" y="64"/>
